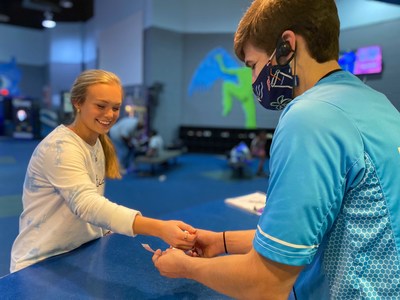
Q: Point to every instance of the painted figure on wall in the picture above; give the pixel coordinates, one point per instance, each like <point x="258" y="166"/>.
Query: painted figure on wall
<point x="219" y="64"/>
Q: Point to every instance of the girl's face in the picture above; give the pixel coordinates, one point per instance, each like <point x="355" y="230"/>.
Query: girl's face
<point x="99" y="112"/>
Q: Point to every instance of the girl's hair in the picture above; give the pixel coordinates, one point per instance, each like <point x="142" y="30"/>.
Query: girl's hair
<point x="317" y="21"/>
<point x="78" y="96"/>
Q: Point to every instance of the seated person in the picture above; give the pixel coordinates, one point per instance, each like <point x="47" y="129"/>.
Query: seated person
<point x="156" y="144"/>
<point x="258" y="149"/>
<point x="239" y="157"/>
<point x="239" y="154"/>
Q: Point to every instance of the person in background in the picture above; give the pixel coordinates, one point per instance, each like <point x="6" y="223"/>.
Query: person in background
<point x="63" y="193"/>
<point x="156" y="144"/>
<point x="124" y="135"/>
<point x="258" y="149"/>
<point x="240" y="154"/>
<point x="330" y="227"/>
<point x="239" y="158"/>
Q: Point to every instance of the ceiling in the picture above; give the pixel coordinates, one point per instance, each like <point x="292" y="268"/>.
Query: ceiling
<point x="30" y="13"/>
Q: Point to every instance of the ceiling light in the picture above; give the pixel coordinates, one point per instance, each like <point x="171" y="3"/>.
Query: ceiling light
<point x="48" y="21"/>
<point x="66" y="3"/>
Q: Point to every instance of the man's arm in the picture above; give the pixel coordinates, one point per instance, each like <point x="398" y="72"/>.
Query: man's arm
<point x="246" y="276"/>
<point x="238" y="242"/>
<point x="210" y="243"/>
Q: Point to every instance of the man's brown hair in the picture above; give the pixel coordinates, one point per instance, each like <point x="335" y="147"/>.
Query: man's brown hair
<point x="317" y="21"/>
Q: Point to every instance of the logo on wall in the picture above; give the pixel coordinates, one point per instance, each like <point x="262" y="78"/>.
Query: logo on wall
<point x="217" y="65"/>
<point x="10" y="77"/>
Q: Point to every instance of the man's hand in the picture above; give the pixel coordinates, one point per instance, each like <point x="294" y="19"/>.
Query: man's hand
<point x="208" y="244"/>
<point x="171" y="263"/>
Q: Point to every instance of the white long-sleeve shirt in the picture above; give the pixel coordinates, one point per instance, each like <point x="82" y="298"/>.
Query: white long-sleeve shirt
<point x="63" y="200"/>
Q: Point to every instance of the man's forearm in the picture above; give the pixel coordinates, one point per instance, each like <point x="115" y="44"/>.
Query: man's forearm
<point x="247" y="276"/>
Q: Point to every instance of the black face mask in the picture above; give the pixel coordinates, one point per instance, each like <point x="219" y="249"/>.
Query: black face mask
<point x="274" y="85"/>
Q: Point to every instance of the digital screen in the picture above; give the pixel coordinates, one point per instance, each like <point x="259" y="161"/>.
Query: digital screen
<point x="23" y="118"/>
<point x="364" y="60"/>
<point x="67" y="105"/>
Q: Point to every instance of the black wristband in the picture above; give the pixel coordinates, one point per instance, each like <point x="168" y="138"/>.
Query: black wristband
<point x="223" y="235"/>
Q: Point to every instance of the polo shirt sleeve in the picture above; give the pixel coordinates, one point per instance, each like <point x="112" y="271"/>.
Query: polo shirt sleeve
<point x="316" y="156"/>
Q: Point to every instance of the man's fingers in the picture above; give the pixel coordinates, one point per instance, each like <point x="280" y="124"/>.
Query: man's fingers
<point x="156" y="256"/>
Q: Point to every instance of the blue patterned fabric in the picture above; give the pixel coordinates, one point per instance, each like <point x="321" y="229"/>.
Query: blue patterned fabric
<point x="367" y="265"/>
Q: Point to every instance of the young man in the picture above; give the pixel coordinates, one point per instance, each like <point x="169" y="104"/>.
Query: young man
<point x="330" y="228"/>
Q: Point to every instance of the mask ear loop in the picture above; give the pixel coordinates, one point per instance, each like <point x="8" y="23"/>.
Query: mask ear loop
<point x="293" y="57"/>
<point x="272" y="57"/>
<point x="295" y="81"/>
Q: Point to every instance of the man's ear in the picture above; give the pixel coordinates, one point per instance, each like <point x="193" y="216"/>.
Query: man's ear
<point x="289" y="37"/>
<point x="285" y="47"/>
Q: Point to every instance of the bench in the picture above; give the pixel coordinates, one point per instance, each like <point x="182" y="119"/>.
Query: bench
<point x="154" y="161"/>
<point x="239" y="169"/>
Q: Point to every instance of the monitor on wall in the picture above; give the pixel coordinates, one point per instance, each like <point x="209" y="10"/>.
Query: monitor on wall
<point x="66" y="102"/>
<point x="362" y="61"/>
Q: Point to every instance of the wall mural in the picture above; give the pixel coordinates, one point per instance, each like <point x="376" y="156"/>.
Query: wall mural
<point x="10" y="76"/>
<point x="217" y="65"/>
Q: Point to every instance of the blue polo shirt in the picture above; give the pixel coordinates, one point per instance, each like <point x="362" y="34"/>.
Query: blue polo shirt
<point x="334" y="192"/>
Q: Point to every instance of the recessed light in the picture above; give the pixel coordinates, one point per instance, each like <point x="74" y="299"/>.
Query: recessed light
<point x="66" y="3"/>
<point x="48" y="21"/>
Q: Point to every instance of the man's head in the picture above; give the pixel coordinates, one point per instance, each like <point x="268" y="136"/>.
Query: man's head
<point x="316" y="21"/>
